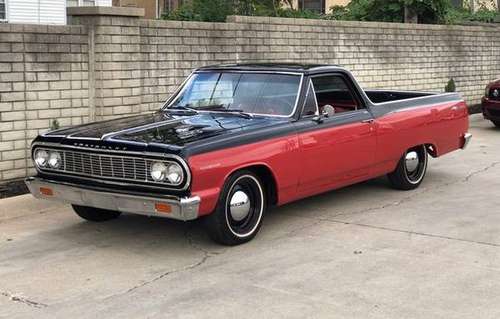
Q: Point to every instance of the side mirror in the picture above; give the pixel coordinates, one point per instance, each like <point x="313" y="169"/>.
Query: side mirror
<point x="328" y="111"/>
<point x="319" y="118"/>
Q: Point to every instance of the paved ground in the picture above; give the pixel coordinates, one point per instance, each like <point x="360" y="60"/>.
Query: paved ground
<point x="362" y="252"/>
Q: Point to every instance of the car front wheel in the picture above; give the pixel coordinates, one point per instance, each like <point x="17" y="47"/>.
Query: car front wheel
<point x="411" y="169"/>
<point x="497" y="123"/>
<point x="238" y="215"/>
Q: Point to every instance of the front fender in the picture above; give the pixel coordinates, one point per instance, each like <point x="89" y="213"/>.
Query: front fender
<point x="210" y="170"/>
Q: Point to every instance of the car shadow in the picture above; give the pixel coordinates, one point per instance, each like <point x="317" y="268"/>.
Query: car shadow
<point x="135" y="232"/>
<point x="163" y="234"/>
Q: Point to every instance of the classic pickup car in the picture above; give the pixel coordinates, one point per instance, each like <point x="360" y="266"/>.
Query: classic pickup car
<point x="236" y="139"/>
<point x="491" y="103"/>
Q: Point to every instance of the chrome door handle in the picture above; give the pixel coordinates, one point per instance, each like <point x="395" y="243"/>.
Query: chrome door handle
<point x="369" y="121"/>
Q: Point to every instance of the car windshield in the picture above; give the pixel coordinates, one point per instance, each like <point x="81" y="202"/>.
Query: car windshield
<point x="254" y="93"/>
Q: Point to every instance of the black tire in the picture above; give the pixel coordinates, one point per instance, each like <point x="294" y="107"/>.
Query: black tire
<point x="408" y="174"/>
<point x="95" y="214"/>
<point x="496" y="123"/>
<point x="239" y="226"/>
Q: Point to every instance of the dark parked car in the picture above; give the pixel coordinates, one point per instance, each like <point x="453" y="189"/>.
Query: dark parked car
<point x="491" y="103"/>
<point x="236" y="139"/>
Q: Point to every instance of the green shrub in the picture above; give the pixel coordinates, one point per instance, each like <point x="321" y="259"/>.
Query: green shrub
<point x="202" y="10"/>
<point x="54" y="125"/>
<point x="292" y="13"/>
<point x="450" y="86"/>
<point x="218" y="10"/>
<point x="461" y="15"/>
<point x="428" y="11"/>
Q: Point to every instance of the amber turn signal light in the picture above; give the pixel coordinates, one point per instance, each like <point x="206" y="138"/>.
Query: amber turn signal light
<point x="46" y="191"/>
<point x="163" y="208"/>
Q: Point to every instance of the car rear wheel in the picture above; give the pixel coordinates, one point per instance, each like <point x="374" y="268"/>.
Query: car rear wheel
<point x="241" y="206"/>
<point x="95" y="214"/>
<point x="411" y="169"/>
<point x="497" y="123"/>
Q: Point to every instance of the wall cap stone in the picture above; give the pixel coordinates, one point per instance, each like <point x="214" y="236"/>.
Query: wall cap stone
<point x="105" y="11"/>
<point x="357" y="24"/>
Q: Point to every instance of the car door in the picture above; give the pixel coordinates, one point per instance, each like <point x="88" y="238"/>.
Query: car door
<point x="337" y="148"/>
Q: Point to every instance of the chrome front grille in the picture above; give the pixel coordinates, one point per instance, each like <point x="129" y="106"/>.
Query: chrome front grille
<point x="107" y="166"/>
<point x="121" y="167"/>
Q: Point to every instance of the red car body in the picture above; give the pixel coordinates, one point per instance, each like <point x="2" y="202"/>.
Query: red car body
<point x="315" y="130"/>
<point x="359" y="151"/>
<point x="491" y="103"/>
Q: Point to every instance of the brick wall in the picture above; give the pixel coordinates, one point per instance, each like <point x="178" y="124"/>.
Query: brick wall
<point x="135" y="64"/>
<point x="43" y="76"/>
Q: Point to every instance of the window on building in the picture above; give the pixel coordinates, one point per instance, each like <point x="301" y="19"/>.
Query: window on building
<point x="80" y="3"/>
<point x="313" y="5"/>
<point x="3" y="12"/>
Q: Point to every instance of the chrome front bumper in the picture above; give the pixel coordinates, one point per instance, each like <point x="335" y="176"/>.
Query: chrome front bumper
<point x="171" y="207"/>
<point x="467" y="138"/>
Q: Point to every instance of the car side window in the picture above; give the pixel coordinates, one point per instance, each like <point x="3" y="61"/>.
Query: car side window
<point x="310" y="103"/>
<point x="334" y="95"/>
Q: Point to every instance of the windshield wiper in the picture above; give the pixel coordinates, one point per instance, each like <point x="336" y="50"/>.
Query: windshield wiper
<point x="220" y="108"/>
<point x="183" y="108"/>
<point x="238" y="112"/>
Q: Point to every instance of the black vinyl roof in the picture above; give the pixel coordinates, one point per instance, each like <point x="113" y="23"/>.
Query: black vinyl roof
<point x="278" y="67"/>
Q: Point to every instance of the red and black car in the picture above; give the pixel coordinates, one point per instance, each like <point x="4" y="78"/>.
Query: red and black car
<point x="491" y="103"/>
<point x="236" y="139"/>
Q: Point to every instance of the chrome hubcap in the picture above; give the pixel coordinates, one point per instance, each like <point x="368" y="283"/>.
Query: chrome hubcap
<point x="411" y="161"/>
<point x="239" y="206"/>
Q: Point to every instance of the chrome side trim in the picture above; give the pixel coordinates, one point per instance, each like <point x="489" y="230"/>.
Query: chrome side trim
<point x="467" y="137"/>
<point x="161" y="156"/>
<point x="181" y="208"/>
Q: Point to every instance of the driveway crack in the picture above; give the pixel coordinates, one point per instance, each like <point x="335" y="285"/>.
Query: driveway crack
<point x="467" y="178"/>
<point x="483" y="170"/>
<point x="19" y="298"/>
<point x="410" y="232"/>
<point x="425" y="190"/>
<point x="206" y="255"/>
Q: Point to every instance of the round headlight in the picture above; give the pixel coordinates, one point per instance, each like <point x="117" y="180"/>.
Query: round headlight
<point x="174" y="174"/>
<point x="41" y="158"/>
<point x="55" y="160"/>
<point x="159" y="171"/>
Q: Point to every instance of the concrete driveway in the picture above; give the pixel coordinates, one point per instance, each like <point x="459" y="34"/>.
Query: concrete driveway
<point x="366" y="251"/>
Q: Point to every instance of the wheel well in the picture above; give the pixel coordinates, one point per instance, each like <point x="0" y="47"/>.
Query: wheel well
<point x="431" y="149"/>
<point x="267" y="178"/>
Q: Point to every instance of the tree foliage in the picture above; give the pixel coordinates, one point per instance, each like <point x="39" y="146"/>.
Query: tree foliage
<point x="218" y="10"/>
<point x="426" y="11"/>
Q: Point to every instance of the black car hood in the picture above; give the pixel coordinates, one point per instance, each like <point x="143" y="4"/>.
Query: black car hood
<point x="160" y="130"/>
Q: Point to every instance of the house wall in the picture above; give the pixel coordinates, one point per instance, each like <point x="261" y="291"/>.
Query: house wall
<point x="489" y="4"/>
<point x="331" y="3"/>
<point x="133" y="65"/>
<point x="36" y="11"/>
<point x="149" y="6"/>
<point x="328" y="3"/>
